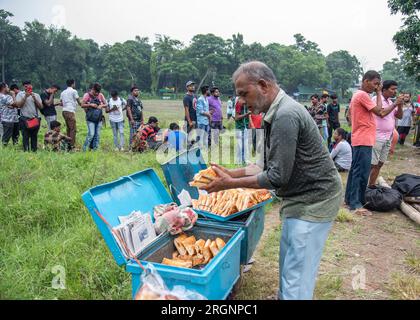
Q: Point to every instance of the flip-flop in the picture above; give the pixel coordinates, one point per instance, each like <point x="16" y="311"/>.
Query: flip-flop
<point x="363" y="212"/>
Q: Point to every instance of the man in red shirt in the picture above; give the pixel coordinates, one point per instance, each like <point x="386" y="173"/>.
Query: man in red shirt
<point x="363" y="111"/>
<point x="255" y="126"/>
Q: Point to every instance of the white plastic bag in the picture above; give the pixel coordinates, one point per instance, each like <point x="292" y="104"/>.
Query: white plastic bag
<point x="154" y="288"/>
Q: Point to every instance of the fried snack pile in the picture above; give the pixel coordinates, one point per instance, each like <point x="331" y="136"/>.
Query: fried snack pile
<point x="226" y="203"/>
<point x="203" y="178"/>
<point x="191" y="253"/>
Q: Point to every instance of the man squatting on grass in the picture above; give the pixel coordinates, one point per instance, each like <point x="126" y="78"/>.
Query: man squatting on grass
<point x="298" y="167"/>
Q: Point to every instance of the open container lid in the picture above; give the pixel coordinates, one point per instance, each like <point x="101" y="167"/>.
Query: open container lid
<point x="141" y="191"/>
<point x="180" y="171"/>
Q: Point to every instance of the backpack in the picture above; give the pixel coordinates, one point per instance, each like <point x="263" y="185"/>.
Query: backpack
<point x="92" y="114"/>
<point x="382" y="199"/>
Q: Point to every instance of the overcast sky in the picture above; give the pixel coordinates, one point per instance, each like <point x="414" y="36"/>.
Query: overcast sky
<point x="363" y="27"/>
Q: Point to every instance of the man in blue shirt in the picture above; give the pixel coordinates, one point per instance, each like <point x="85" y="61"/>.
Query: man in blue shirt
<point x="203" y="115"/>
<point x="176" y="139"/>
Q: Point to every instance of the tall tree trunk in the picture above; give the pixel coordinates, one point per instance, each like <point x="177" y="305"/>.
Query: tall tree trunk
<point x="204" y="78"/>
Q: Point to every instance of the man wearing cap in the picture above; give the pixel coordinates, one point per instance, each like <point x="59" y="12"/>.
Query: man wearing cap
<point x="190" y="106"/>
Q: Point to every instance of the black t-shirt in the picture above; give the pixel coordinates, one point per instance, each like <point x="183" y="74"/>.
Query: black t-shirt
<point x="191" y="102"/>
<point x="333" y="113"/>
<point x="48" y="109"/>
<point x="136" y="107"/>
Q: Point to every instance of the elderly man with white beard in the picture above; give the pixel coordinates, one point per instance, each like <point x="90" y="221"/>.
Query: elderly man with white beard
<point x="297" y="166"/>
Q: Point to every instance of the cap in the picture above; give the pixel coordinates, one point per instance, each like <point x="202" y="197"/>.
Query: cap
<point x="189" y="83"/>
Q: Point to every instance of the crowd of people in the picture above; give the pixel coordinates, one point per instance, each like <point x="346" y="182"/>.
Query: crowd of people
<point x="304" y="149"/>
<point x="21" y="110"/>
<point x="379" y="121"/>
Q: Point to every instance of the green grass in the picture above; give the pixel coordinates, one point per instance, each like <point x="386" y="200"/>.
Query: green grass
<point x="44" y="223"/>
<point x="404" y="287"/>
<point x="344" y="216"/>
<point x="412" y="262"/>
<point x="328" y="287"/>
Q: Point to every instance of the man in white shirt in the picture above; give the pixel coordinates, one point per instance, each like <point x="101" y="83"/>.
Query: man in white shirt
<point x="69" y="98"/>
<point x="115" y="108"/>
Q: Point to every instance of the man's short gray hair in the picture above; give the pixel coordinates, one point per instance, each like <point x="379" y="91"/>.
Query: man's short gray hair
<point x="256" y="71"/>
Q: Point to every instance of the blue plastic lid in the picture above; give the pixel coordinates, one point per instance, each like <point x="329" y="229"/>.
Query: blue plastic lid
<point x="141" y="191"/>
<point x="180" y="171"/>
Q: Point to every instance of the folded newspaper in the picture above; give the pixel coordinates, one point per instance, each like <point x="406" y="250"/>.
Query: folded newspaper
<point x="136" y="231"/>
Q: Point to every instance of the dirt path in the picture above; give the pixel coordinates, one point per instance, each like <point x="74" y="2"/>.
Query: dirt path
<point x="376" y="257"/>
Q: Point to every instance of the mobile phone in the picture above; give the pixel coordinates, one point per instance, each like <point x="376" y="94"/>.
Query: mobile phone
<point x="29" y="89"/>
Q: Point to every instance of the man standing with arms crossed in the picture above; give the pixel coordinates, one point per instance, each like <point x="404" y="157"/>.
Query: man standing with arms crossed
<point x="134" y="112"/>
<point x="298" y="167"/>
<point x="190" y="107"/>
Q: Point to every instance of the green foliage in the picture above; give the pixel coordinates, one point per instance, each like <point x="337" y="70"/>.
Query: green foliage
<point x="394" y="70"/>
<point x="48" y="55"/>
<point x="407" y="39"/>
<point x="345" y="70"/>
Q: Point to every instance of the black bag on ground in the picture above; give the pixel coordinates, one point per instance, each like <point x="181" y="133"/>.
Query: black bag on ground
<point x="382" y="199"/>
<point x="408" y="185"/>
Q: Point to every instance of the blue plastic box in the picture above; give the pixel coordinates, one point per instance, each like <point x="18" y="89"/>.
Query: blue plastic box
<point x="180" y="170"/>
<point x="142" y="191"/>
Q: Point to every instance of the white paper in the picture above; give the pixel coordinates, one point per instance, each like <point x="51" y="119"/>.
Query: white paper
<point x="185" y="198"/>
<point x="136" y="231"/>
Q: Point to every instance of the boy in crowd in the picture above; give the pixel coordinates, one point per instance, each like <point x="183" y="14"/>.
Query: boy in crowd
<point x="54" y="140"/>
<point x="145" y="137"/>
<point x="385" y="127"/>
<point x="134" y="112"/>
<point x="47" y="97"/>
<point x="176" y="139"/>
<point x="115" y="108"/>
<point x="333" y="111"/>
<point x="203" y="116"/>
<point x="69" y="100"/>
<point x="9" y="115"/>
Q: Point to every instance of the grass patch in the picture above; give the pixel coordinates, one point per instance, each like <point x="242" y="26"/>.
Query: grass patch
<point x="328" y="287"/>
<point x="270" y="249"/>
<point x="412" y="262"/>
<point x="404" y="287"/>
<point x="259" y="284"/>
<point x="344" y="216"/>
<point x="44" y="223"/>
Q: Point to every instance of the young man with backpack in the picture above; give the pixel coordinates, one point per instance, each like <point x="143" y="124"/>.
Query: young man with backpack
<point x="115" y="108"/>
<point x="93" y="102"/>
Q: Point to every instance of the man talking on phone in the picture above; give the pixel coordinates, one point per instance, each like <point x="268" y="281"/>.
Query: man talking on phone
<point x="29" y="103"/>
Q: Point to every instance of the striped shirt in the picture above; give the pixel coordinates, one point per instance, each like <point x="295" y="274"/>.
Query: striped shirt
<point x="408" y="111"/>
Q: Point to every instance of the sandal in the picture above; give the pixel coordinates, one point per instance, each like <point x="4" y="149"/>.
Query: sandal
<point x="363" y="212"/>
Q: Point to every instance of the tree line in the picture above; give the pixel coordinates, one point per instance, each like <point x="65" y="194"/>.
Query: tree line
<point x="46" y="55"/>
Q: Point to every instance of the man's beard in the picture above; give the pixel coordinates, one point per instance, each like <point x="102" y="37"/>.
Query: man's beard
<point x="260" y="105"/>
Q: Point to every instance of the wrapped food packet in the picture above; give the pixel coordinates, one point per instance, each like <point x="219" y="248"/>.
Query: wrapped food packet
<point x="154" y="288"/>
<point x="173" y="219"/>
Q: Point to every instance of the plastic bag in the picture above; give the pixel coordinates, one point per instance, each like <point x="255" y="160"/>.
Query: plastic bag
<point x="382" y="199"/>
<point x="173" y="219"/>
<point x="154" y="288"/>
